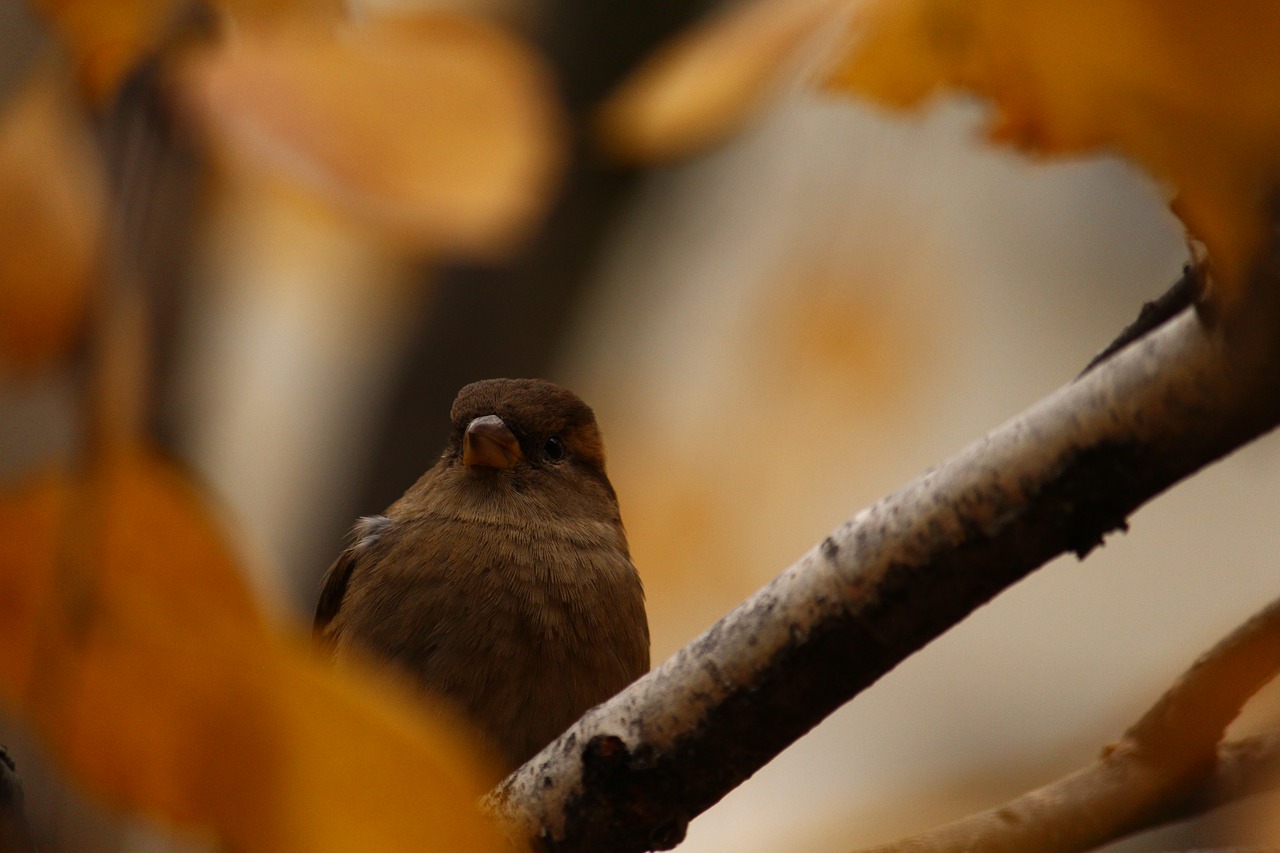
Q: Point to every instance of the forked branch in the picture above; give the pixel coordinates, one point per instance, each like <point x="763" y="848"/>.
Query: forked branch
<point x="1168" y="765"/>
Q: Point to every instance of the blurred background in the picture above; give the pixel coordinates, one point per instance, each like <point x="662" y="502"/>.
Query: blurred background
<point x="773" y="335"/>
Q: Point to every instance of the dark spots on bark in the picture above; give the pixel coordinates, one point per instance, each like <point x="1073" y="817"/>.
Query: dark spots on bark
<point x="713" y="671"/>
<point x="668" y="835"/>
<point x="1094" y="500"/>
<point x="707" y="642"/>
<point x="830" y="549"/>
<point x="604" y="751"/>
<point x="613" y="781"/>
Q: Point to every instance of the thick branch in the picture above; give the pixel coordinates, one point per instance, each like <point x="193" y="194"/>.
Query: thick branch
<point x="1167" y="767"/>
<point x="634" y="771"/>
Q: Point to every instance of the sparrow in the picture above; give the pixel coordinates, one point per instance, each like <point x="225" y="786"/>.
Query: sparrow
<point x="501" y="581"/>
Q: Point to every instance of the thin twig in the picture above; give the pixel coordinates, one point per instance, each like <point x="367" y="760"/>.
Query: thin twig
<point x="1193" y="714"/>
<point x="1168" y="766"/>
<point x="1245" y="768"/>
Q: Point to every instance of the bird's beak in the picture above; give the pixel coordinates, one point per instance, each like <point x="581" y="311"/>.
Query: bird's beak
<point x="489" y="443"/>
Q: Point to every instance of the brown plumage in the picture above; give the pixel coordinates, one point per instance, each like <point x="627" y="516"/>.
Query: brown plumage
<point x="501" y="581"/>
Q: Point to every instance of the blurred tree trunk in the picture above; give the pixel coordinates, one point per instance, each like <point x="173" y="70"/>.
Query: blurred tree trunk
<point x="511" y="320"/>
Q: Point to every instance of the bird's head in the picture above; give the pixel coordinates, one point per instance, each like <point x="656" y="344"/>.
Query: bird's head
<point x="521" y="430"/>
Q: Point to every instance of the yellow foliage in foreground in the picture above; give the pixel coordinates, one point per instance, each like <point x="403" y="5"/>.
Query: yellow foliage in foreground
<point x="128" y="640"/>
<point x="440" y="133"/>
<point x="429" y="135"/>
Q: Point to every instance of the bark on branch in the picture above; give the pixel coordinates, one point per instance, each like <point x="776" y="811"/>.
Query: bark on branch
<point x="633" y="771"/>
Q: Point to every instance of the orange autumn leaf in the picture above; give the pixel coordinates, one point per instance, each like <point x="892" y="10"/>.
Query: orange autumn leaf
<point x="51" y="210"/>
<point x="709" y="82"/>
<point x="128" y="640"/>
<point x="1186" y="88"/>
<point x="438" y="131"/>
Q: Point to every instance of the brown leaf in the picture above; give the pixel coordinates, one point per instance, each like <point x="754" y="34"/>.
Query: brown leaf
<point x="129" y="640"/>
<point x="438" y="131"/>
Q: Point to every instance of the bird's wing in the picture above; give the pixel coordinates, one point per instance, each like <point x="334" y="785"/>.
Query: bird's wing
<point x="333" y="587"/>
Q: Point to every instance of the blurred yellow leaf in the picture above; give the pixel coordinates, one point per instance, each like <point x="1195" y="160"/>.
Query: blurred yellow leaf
<point x="130" y="642"/>
<point x="708" y="83"/>
<point x="438" y="131"/>
<point x="106" y="38"/>
<point x="51" y="210"/>
<point x="1186" y="88"/>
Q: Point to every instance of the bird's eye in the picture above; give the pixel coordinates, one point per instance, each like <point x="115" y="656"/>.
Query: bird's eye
<point x="554" y="448"/>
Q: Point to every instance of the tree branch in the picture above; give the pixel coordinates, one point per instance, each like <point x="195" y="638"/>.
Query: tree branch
<point x="633" y="771"/>
<point x="1244" y="768"/>
<point x="1166" y="767"/>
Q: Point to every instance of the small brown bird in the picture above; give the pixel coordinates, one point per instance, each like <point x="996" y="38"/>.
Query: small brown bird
<point x="501" y="581"/>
